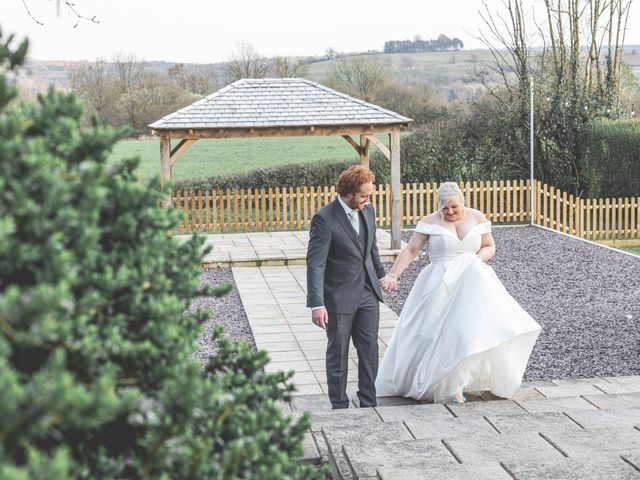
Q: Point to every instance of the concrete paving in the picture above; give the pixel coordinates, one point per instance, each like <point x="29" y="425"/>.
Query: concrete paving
<point x="254" y="249"/>
<point x="274" y="299"/>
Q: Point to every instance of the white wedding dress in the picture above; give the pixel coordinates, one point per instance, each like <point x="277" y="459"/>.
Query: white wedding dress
<point x="459" y="329"/>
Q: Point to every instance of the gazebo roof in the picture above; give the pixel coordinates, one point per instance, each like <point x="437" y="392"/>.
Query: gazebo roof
<point x="278" y="102"/>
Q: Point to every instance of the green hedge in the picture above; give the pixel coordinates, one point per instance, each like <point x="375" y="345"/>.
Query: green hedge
<point x="612" y="159"/>
<point x="292" y="175"/>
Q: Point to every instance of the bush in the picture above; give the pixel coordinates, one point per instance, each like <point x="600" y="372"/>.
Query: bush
<point x="612" y="159"/>
<point x="96" y="374"/>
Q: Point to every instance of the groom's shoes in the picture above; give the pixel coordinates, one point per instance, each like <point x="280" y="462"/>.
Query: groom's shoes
<point x="360" y="404"/>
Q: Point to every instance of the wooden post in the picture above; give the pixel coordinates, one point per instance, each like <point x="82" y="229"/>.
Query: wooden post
<point x="165" y="166"/>
<point x="364" y="151"/>
<point x="394" y="143"/>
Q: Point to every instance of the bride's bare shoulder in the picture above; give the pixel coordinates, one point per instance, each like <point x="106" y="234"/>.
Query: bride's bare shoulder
<point x="476" y="215"/>
<point x="431" y="219"/>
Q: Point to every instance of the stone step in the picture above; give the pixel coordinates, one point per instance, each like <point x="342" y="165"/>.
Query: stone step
<point x="615" y="467"/>
<point x="558" y="425"/>
<point x="472" y="471"/>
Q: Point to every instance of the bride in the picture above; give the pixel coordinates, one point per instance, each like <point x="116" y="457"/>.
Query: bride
<point x="459" y="331"/>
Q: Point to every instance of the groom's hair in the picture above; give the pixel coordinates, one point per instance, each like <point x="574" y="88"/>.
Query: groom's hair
<point x="353" y="178"/>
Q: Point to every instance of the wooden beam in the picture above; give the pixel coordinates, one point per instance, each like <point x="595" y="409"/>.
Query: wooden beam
<point x="180" y="148"/>
<point x="352" y="142"/>
<point x="185" y="133"/>
<point x="364" y="151"/>
<point x="165" y="166"/>
<point x="396" y="221"/>
<point x="381" y="146"/>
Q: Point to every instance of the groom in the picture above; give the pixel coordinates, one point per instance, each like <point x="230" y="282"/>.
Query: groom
<point x="343" y="272"/>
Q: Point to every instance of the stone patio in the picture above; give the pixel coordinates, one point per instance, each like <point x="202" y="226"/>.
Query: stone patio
<point x="270" y="248"/>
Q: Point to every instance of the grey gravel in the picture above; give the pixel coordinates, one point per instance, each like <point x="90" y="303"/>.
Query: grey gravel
<point x="586" y="297"/>
<point x="226" y="310"/>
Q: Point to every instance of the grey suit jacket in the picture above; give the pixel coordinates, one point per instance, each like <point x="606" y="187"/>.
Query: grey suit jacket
<point x="336" y="265"/>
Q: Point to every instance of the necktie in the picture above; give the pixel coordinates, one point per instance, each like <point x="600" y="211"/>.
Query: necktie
<point x="353" y="218"/>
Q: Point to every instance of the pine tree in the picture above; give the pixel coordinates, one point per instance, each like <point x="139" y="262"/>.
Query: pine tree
<point x="97" y="378"/>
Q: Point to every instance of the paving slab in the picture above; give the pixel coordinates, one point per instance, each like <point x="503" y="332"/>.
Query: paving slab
<point x="337" y="419"/>
<point x="630" y="383"/>
<point x="335" y="437"/>
<point x="595" y="441"/>
<point x="527" y="393"/>
<point x="572" y="389"/>
<point x="572" y="469"/>
<point x="476" y="471"/>
<point x="536" y="422"/>
<point x="622" y="400"/>
<point x="469" y="427"/>
<point x="424" y="412"/>
<point x="562" y="404"/>
<point x="497" y="407"/>
<point x="504" y="447"/>
<point x="610" y="418"/>
<point x="366" y="458"/>
<point x="311" y="403"/>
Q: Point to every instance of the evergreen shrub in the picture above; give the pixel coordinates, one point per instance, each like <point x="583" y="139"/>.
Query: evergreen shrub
<point x="97" y="379"/>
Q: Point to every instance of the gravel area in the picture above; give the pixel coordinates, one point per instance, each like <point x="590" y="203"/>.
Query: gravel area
<point x="587" y="299"/>
<point x="226" y="310"/>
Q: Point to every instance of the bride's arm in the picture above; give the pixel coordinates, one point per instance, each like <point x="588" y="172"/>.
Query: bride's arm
<point x="407" y="254"/>
<point x="487" y="248"/>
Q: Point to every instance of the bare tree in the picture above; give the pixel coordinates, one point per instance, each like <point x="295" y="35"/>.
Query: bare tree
<point x="289" y="67"/>
<point x="70" y="6"/>
<point x="199" y="80"/>
<point x="330" y="53"/>
<point x="577" y="72"/>
<point x="359" y="76"/>
<point x="94" y="83"/>
<point x="129" y="73"/>
<point x="246" y="62"/>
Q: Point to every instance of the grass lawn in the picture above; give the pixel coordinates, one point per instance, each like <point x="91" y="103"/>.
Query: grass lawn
<point x="207" y="158"/>
<point x="635" y="250"/>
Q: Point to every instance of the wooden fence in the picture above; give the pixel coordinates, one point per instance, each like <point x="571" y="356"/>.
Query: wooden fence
<point x="592" y="218"/>
<point x="277" y="209"/>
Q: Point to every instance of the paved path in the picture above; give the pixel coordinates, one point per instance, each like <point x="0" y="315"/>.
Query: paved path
<point x="270" y="248"/>
<point x="274" y="299"/>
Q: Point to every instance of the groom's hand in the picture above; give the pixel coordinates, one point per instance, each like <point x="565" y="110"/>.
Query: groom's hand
<point x="320" y="317"/>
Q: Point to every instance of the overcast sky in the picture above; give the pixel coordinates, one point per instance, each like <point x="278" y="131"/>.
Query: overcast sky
<point x="205" y="31"/>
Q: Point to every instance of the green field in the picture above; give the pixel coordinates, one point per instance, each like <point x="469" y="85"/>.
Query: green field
<point x="635" y="250"/>
<point x="215" y="157"/>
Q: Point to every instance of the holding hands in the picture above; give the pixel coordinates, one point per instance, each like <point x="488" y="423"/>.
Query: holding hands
<point x="389" y="283"/>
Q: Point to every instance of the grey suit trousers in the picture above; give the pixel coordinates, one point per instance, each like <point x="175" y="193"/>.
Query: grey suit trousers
<point x="362" y="326"/>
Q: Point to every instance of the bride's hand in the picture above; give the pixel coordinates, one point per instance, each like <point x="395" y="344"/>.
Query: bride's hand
<point x="389" y="283"/>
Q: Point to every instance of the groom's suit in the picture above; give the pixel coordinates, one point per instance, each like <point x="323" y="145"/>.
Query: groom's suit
<point x="343" y="268"/>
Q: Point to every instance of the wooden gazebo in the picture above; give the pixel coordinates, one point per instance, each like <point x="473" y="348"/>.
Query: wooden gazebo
<point x="285" y="107"/>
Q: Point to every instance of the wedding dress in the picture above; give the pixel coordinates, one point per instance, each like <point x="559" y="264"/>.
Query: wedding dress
<point x="459" y="330"/>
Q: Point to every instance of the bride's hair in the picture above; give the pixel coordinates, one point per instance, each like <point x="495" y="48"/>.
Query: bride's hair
<point x="448" y="190"/>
